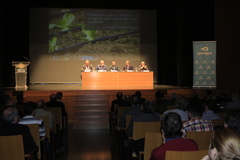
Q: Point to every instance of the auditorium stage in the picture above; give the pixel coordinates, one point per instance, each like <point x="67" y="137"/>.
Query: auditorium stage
<point x="78" y="86"/>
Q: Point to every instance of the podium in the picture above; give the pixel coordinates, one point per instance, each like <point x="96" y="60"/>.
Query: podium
<point x="21" y="73"/>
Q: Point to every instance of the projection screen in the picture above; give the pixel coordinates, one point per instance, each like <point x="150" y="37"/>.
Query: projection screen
<point x="61" y="39"/>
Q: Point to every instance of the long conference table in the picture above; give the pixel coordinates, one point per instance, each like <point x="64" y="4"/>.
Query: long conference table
<point x="117" y="80"/>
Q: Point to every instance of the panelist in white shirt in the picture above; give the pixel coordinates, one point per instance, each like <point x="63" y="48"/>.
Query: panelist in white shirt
<point x="142" y="66"/>
<point x="87" y="67"/>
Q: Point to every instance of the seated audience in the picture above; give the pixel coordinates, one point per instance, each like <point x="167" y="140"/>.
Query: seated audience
<point x="160" y="105"/>
<point x="232" y="121"/>
<point x="59" y="96"/>
<point x="209" y="94"/>
<point x="139" y="95"/>
<point x="127" y="100"/>
<point x="133" y="110"/>
<point x="119" y="101"/>
<point x="29" y="111"/>
<point x="10" y="126"/>
<point x="181" y="108"/>
<point x="223" y="98"/>
<point x="54" y="103"/>
<point x="20" y="105"/>
<point x="235" y="103"/>
<point x="196" y="123"/>
<point x="225" y="145"/>
<point x="210" y="107"/>
<point x="40" y="111"/>
<point x="4" y="98"/>
<point x="195" y="98"/>
<point x="146" y="116"/>
<point x="171" y="129"/>
<point x="173" y="98"/>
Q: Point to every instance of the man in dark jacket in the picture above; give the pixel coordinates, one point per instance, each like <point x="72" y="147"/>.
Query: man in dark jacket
<point x="9" y="127"/>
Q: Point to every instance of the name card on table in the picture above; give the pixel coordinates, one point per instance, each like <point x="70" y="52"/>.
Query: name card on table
<point x="145" y="70"/>
<point x="114" y="70"/>
<point x="87" y="70"/>
<point x="129" y="70"/>
<point x="101" y="70"/>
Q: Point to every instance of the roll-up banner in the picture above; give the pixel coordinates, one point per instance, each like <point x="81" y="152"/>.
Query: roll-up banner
<point x="204" y="64"/>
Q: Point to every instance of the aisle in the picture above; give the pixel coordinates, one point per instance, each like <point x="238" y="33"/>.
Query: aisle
<point x="89" y="145"/>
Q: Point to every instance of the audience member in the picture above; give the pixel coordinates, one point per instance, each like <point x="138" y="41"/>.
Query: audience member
<point x="225" y="145"/>
<point x="181" y="108"/>
<point x="127" y="100"/>
<point x="173" y="98"/>
<point x="59" y="96"/>
<point x="232" y="121"/>
<point x="223" y="98"/>
<point x="10" y="126"/>
<point x="54" y="103"/>
<point x="235" y="103"/>
<point x="161" y="103"/>
<point x="196" y="123"/>
<point x="41" y="111"/>
<point x="139" y="95"/>
<point x="119" y="101"/>
<point x="147" y="116"/>
<point x="29" y="111"/>
<point x="171" y="129"/>
<point x="20" y="105"/>
<point x="210" y="108"/>
<point x="133" y="110"/>
<point x="3" y="100"/>
<point x="195" y="98"/>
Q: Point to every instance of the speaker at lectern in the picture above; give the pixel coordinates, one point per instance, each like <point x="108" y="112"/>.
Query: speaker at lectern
<point x="21" y="72"/>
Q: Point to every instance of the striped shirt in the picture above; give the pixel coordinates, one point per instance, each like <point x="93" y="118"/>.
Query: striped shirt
<point x="34" y="120"/>
<point x="197" y="125"/>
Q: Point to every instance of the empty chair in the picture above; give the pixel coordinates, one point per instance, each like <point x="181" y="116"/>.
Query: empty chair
<point x="34" y="129"/>
<point x="221" y="114"/>
<point x="217" y="122"/>
<point x="140" y="129"/>
<point x="120" y="111"/>
<point x="128" y="120"/>
<point x="185" y="155"/>
<point x="11" y="148"/>
<point x="201" y="138"/>
<point x="152" y="140"/>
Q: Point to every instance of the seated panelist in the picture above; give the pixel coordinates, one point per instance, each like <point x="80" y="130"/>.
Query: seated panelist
<point x="142" y="66"/>
<point x="128" y="66"/>
<point x="114" y="66"/>
<point x="87" y="66"/>
<point x="101" y="66"/>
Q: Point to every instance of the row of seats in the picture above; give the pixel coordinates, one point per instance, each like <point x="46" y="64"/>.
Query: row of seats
<point x="54" y="134"/>
<point x="153" y="138"/>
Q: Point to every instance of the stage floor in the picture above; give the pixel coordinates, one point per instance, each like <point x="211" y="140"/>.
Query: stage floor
<point x="67" y="86"/>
